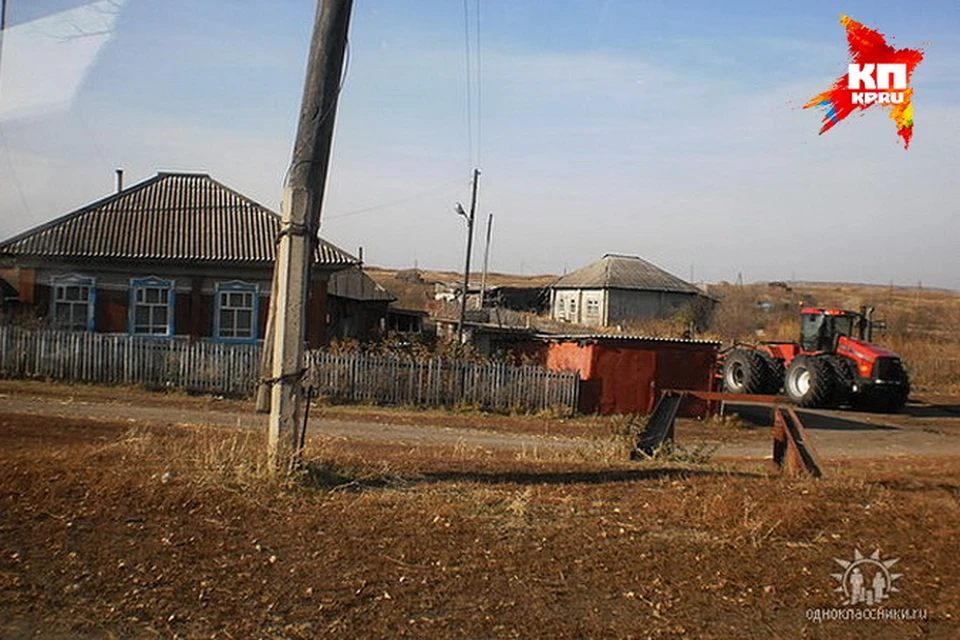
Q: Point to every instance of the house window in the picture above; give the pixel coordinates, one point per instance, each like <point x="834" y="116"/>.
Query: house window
<point x="152" y="307"/>
<point x="593" y="308"/>
<point x="236" y="312"/>
<point x="573" y="307"/>
<point x="73" y="303"/>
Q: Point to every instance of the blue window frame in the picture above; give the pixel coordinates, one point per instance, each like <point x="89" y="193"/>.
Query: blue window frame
<point x="72" y="302"/>
<point x="235" y="312"/>
<point x="151" y="307"/>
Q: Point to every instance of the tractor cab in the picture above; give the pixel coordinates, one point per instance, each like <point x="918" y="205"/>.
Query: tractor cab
<point x="821" y="328"/>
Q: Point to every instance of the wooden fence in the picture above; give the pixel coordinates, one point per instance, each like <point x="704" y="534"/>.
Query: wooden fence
<point x="82" y="356"/>
<point x="497" y="386"/>
<point x="215" y="367"/>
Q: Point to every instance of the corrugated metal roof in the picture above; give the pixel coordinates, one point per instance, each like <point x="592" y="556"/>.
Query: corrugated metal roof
<point x="354" y="284"/>
<point x="623" y="272"/>
<point x="573" y="337"/>
<point x="172" y="217"/>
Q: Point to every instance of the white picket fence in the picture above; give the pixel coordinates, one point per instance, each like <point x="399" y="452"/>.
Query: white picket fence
<point x="216" y="367"/>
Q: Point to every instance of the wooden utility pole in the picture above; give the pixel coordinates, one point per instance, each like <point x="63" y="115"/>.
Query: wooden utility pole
<point x="266" y="356"/>
<point x="486" y="260"/>
<point x="3" y="26"/>
<point x="300" y="224"/>
<point x="466" y="268"/>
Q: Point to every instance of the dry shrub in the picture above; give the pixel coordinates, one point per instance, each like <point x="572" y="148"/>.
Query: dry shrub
<point x="236" y="458"/>
<point x="699" y="453"/>
<point x="604" y="450"/>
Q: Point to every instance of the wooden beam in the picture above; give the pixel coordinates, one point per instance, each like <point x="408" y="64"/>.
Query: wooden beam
<point x="300" y="224"/>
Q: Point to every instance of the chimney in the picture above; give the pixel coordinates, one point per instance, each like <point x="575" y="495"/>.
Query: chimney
<point x="361" y="257"/>
<point x="119" y="180"/>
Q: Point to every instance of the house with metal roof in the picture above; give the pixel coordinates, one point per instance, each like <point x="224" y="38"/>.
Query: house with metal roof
<point x="357" y="305"/>
<point x="179" y="254"/>
<point x="618" y="289"/>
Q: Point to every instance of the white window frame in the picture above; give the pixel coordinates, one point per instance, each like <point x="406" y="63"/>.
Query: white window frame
<point x="59" y="295"/>
<point x="139" y="297"/>
<point x="225" y="291"/>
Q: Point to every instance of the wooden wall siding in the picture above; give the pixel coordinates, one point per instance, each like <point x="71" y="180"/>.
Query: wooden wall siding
<point x="215" y="367"/>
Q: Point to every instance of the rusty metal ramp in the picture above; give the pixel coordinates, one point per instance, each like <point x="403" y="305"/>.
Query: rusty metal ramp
<point x="793" y="453"/>
<point x="659" y="426"/>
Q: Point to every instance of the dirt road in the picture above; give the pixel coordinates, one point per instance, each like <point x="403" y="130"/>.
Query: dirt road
<point x="923" y="430"/>
<point x="318" y="427"/>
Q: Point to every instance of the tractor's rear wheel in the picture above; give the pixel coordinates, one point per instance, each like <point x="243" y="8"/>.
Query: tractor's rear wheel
<point x="773" y="378"/>
<point x="809" y="381"/>
<point x="744" y="371"/>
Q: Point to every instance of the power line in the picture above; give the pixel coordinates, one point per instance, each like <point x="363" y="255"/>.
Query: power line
<point x="479" y="88"/>
<point x="393" y="203"/>
<point x="466" y="65"/>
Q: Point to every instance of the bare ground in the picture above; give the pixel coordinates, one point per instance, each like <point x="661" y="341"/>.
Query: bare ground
<point x="142" y="515"/>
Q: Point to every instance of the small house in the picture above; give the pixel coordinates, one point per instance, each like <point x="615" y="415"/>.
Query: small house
<point x="179" y="254"/>
<point x="617" y="289"/>
<point x="357" y="305"/>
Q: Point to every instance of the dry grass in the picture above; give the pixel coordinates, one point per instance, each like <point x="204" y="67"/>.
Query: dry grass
<point x="378" y="539"/>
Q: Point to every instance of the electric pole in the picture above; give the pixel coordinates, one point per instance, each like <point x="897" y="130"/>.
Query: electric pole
<point x="300" y="225"/>
<point x="486" y="260"/>
<point x="3" y="26"/>
<point x="466" y="268"/>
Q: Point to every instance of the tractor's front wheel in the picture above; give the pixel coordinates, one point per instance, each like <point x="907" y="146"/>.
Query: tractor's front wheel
<point x="809" y="381"/>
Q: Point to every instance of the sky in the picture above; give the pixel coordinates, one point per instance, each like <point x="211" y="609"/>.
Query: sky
<point x="671" y="130"/>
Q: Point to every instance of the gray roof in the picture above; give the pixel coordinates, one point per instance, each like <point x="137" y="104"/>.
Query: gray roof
<point x="614" y="271"/>
<point x="174" y="217"/>
<point x="354" y="284"/>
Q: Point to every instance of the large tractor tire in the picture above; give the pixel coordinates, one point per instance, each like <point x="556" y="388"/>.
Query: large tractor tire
<point x="809" y="382"/>
<point x="844" y="373"/>
<point x="744" y="371"/>
<point x="773" y="380"/>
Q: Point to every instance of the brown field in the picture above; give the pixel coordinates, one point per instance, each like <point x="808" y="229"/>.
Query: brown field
<point x="114" y="525"/>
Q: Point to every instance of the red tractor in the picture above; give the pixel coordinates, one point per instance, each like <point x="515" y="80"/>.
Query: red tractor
<point x="834" y="364"/>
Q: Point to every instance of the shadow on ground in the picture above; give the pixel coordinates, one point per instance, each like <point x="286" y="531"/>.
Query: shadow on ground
<point x="319" y="476"/>
<point x="578" y="477"/>
<point x="925" y="410"/>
